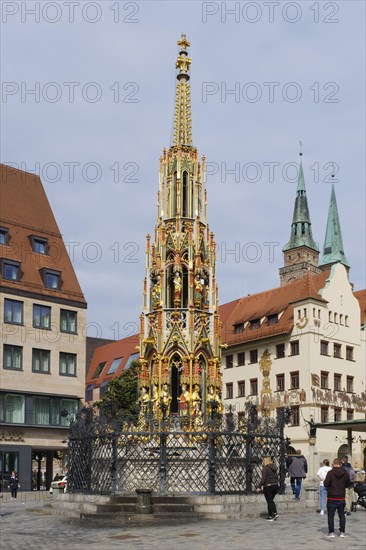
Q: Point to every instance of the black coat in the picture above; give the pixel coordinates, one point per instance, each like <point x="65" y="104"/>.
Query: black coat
<point x="13" y="483"/>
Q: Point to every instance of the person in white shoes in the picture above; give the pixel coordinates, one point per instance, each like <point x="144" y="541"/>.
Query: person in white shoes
<point x="321" y="473"/>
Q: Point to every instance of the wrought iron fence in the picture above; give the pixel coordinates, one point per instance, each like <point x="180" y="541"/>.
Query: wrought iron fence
<point x="224" y="456"/>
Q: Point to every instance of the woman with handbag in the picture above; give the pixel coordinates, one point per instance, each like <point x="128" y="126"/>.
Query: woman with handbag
<point x="269" y="482"/>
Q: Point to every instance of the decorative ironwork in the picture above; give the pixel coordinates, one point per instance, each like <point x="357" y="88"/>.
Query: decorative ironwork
<point x="221" y="456"/>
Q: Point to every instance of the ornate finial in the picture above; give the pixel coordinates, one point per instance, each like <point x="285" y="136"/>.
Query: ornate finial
<point x="300" y="148"/>
<point x="183" y="42"/>
<point x="182" y="118"/>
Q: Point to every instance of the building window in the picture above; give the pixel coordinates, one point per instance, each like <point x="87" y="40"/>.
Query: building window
<point x="341" y="319"/>
<point x="241" y="388"/>
<point x="272" y="319"/>
<point x="329" y="316"/>
<point x="39" y="245"/>
<point x="324" y="414"/>
<point x="4" y="235"/>
<point x="336" y="318"/>
<point x="349" y="382"/>
<point x="98" y="370"/>
<point x="295" y="347"/>
<point x="11" y="270"/>
<point x="350" y="414"/>
<point x="229" y="390"/>
<point x="229" y="361"/>
<point x="13" y="312"/>
<point x="337" y="382"/>
<point x="68" y="321"/>
<point x="52" y="279"/>
<point x="12" y="357"/>
<point x="324" y="380"/>
<point x="337" y="351"/>
<point x="41" y="360"/>
<point x="324" y="347"/>
<point x="337" y="414"/>
<point x="241" y="359"/>
<point x="114" y="366"/>
<point x="41" y="411"/>
<point x="254" y="386"/>
<point x="294" y="380"/>
<point x="280" y="382"/>
<point x="255" y="323"/>
<point x="239" y="328"/>
<point x="280" y="351"/>
<point x="349" y="353"/>
<point x="12" y="408"/>
<point x="253" y="356"/>
<point x="346" y="320"/>
<point x="41" y="316"/>
<point x="295" y="419"/>
<point x="67" y="364"/>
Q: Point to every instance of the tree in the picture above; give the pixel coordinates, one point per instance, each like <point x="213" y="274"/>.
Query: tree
<point x="120" y="400"/>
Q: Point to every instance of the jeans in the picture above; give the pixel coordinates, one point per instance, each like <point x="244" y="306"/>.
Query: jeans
<point x="269" y="494"/>
<point x="323" y="497"/>
<point x="332" y="506"/>
<point x="296" y="485"/>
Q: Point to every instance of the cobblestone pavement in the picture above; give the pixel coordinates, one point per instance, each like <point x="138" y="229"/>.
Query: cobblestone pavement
<point x="24" y="525"/>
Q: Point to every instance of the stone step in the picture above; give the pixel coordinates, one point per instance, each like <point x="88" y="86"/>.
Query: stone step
<point x="165" y="508"/>
<point x="171" y="499"/>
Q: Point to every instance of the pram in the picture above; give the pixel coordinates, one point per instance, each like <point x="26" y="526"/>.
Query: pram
<point x="360" y="490"/>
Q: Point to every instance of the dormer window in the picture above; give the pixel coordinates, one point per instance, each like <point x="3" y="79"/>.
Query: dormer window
<point x="4" y="235"/>
<point x="239" y="328"/>
<point x="272" y="319"/>
<point x="39" y="245"/>
<point x="10" y="270"/>
<point x="51" y="279"/>
<point x="255" y="323"/>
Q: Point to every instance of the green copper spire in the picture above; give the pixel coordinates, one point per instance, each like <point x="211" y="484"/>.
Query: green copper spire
<point x="333" y="244"/>
<point x="301" y="225"/>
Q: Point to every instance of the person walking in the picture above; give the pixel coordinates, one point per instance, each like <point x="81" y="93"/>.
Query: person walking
<point x="14" y="484"/>
<point x="321" y="473"/>
<point x="269" y="482"/>
<point x="349" y="490"/>
<point x="336" y="482"/>
<point x="297" y="469"/>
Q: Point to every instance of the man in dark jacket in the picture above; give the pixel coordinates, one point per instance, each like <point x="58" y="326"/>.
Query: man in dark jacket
<point x="349" y="490"/>
<point x="297" y="468"/>
<point x="336" y="482"/>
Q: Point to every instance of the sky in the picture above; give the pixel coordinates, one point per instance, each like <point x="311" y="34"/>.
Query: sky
<point x="88" y="94"/>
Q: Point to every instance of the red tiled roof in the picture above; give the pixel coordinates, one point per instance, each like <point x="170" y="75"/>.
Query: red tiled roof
<point x="274" y="301"/>
<point x="121" y="348"/>
<point x="361" y="297"/>
<point x="26" y="212"/>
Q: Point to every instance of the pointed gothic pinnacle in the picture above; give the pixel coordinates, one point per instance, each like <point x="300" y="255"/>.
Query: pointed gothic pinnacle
<point x="182" y="117"/>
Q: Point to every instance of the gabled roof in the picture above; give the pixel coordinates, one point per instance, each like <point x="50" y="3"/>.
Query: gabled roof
<point x="125" y="348"/>
<point x="270" y="302"/>
<point x="26" y="212"/>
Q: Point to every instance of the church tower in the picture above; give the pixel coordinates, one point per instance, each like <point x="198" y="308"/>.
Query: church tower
<point x="333" y="243"/>
<point x="179" y="326"/>
<point x="301" y="253"/>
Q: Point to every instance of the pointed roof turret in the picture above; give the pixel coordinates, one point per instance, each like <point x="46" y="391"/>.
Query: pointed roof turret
<point x="301" y="234"/>
<point x="333" y="244"/>
<point x="182" y="118"/>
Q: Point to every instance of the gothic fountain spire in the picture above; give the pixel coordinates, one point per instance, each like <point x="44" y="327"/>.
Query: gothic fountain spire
<point x="180" y="353"/>
<point x="183" y="117"/>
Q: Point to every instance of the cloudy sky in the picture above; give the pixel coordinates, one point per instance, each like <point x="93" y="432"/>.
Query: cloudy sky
<point x="88" y="99"/>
